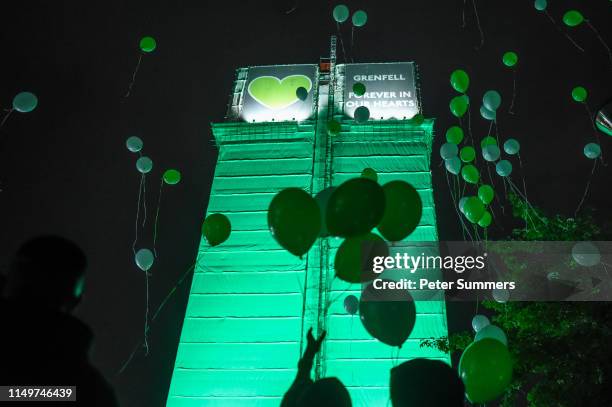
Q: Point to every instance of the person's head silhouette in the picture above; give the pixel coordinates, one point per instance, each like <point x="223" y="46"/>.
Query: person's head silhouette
<point x="327" y="392"/>
<point x="47" y="271"/>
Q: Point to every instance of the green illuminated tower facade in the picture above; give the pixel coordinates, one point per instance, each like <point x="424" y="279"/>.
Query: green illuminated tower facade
<point x="252" y="302"/>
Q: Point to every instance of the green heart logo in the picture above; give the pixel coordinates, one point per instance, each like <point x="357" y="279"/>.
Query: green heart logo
<point x="276" y="94"/>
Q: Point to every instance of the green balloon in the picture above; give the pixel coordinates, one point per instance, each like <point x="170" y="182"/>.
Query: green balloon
<point x="486" y="219"/>
<point x="172" y="177"/>
<point x="370" y="174"/>
<point x="460" y="81"/>
<point x="355" y="257"/>
<point x="359" y="19"/>
<point x="458" y="105"/>
<point x="144" y="259"/>
<point x="579" y="94"/>
<point x="510" y="58"/>
<point x="144" y="164"/>
<point x="454" y="135"/>
<point x="25" y="102"/>
<point x="486" y="194"/>
<point x="359" y="89"/>
<point x="294" y="219"/>
<point x="418" y="119"/>
<point x="341" y="13"/>
<point x="355" y="207"/>
<point x="486" y="370"/>
<point x="467" y="154"/>
<point x="387" y="315"/>
<point x="488" y="141"/>
<point x="216" y="228"/>
<point x="134" y="144"/>
<point x="148" y="44"/>
<point x="470" y="174"/>
<point x="333" y="128"/>
<point x="473" y="209"/>
<point x="403" y="211"/>
<point x="573" y="18"/>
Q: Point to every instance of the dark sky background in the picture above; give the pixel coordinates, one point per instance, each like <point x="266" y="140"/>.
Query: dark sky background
<point x="64" y="168"/>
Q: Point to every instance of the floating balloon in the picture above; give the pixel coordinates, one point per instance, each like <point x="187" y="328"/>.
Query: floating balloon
<point x="359" y="19"/>
<point x="301" y="93"/>
<point x="453" y="165"/>
<point x="479" y="322"/>
<point x="592" y="151"/>
<point x="216" y="228"/>
<point x="460" y="81"/>
<point x="579" y="94"/>
<point x="491" y="100"/>
<point x="25" y="102"/>
<point x="294" y="219"/>
<point x="603" y="119"/>
<point x="467" y="154"/>
<point x="573" y="18"/>
<point x="172" y="177"/>
<point x="351" y="304"/>
<point x="540" y="5"/>
<point x="500" y="295"/>
<point x="387" y="315"/>
<point x="134" y="144"/>
<point x="512" y="146"/>
<point x="470" y="174"/>
<point x="486" y="194"/>
<point x="486" y="220"/>
<point x="491" y="152"/>
<point x="403" y="211"/>
<point x="355" y="207"/>
<point x="355" y="257"/>
<point x="341" y="13"/>
<point x="454" y="135"/>
<point x="144" y="259"/>
<point x="586" y="254"/>
<point x="458" y="105"/>
<point x="144" y="165"/>
<point x="503" y="168"/>
<point x="322" y="198"/>
<point x="359" y="89"/>
<point x="492" y="332"/>
<point x="448" y="150"/>
<point x="462" y="203"/>
<point x="473" y="209"/>
<point x="510" y="59"/>
<point x="333" y="128"/>
<point x="362" y="114"/>
<point x="486" y="370"/>
<point x="488" y="140"/>
<point x="487" y="114"/>
<point x="370" y="174"/>
<point x="426" y="383"/>
<point x="148" y="44"/>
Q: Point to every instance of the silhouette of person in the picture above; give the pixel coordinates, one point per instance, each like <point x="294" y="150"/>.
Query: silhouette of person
<point x="426" y="382"/>
<point x="327" y="392"/>
<point x="42" y="343"/>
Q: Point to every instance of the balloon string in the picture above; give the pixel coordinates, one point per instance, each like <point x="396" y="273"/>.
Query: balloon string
<point x="341" y="41"/>
<point x="137" y="214"/>
<point x="496" y="195"/>
<point x="144" y="198"/>
<point x="454" y="192"/>
<point x="478" y="24"/>
<point x="6" y="116"/>
<point x="146" y="324"/>
<point x="513" y="91"/>
<point x="161" y="185"/>
<point x="352" y="36"/>
<point x="517" y="191"/>
<point x="470" y="123"/>
<point x="601" y="40"/>
<point x="586" y="190"/>
<point x="523" y="177"/>
<point x="463" y="14"/>
<point x="154" y="317"/>
<point x="455" y="205"/>
<point x="295" y="6"/>
<point x="127" y="95"/>
<point x="563" y="32"/>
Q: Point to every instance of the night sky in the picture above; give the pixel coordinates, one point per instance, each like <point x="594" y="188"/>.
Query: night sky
<point x="64" y="168"/>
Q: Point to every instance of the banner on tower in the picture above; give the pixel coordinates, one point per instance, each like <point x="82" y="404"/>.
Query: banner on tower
<point x="390" y="90"/>
<point x="279" y="93"/>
